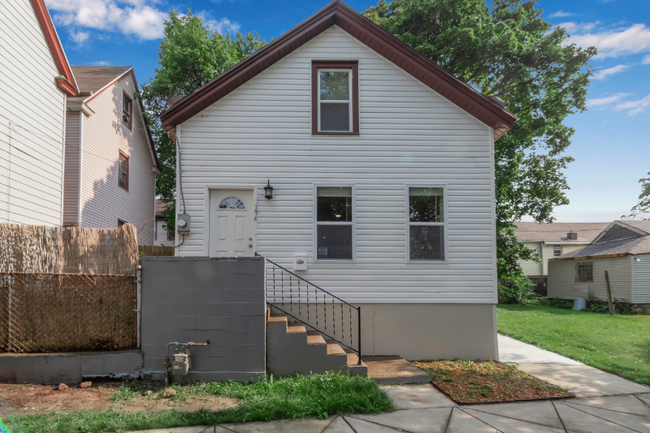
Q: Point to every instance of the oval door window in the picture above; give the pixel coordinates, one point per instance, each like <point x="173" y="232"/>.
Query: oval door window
<point x="232" y="203"/>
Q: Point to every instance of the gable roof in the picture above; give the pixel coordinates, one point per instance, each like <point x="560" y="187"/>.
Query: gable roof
<point x="557" y="232"/>
<point x="93" y="80"/>
<point x="66" y="80"/>
<point x="643" y="226"/>
<point x="488" y="110"/>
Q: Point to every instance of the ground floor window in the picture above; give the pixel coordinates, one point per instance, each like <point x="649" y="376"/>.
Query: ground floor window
<point x="426" y="223"/>
<point x="334" y="222"/>
<point x="585" y="272"/>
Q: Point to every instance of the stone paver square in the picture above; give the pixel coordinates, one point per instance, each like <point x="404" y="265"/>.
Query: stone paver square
<point x="417" y="396"/>
<point x="578" y="421"/>
<point x="541" y="412"/>
<point x="412" y="420"/>
<point x="338" y="426"/>
<point x="461" y="422"/>
<point x="283" y="426"/>
<point x="582" y="380"/>
<point x="640" y="423"/>
<point x="512" y="425"/>
<point x="622" y="403"/>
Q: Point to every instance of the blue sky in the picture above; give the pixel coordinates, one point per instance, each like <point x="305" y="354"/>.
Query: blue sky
<point x="612" y="140"/>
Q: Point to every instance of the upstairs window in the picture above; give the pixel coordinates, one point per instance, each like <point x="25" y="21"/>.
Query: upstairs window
<point x="127" y="110"/>
<point x="335" y="98"/>
<point x="557" y="250"/>
<point x="585" y="272"/>
<point x="426" y="224"/>
<point x="334" y="223"/>
<point x="123" y="171"/>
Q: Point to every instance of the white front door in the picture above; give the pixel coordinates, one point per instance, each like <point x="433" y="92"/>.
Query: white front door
<point x="231" y="223"/>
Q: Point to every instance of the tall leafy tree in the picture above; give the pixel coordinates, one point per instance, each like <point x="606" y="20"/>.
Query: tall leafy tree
<point x="642" y="209"/>
<point x="504" y="48"/>
<point x="189" y="56"/>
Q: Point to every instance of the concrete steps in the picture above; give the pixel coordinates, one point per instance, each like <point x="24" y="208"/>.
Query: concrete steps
<point x="292" y="348"/>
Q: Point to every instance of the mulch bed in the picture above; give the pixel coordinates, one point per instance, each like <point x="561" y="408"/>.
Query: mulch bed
<point x="470" y="382"/>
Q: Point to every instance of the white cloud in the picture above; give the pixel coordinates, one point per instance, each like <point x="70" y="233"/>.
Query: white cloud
<point x="612" y="43"/>
<point x="634" y="107"/>
<point x="80" y="38"/>
<point x="224" y="25"/>
<point x="603" y="73"/>
<point x="646" y="60"/>
<point x="607" y="100"/>
<point x="99" y="63"/>
<point x="560" y="14"/>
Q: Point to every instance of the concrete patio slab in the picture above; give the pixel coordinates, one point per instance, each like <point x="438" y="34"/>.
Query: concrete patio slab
<point x="515" y="351"/>
<point x="461" y="422"/>
<point x="623" y="403"/>
<point x="360" y="426"/>
<point x="338" y="426"/>
<point x="417" y="396"/>
<point x="502" y="423"/>
<point x="645" y="398"/>
<point x="412" y="420"/>
<point x="578" y="421"/>
<point x="582" y="380"/>
<point x="541" y="412"/>
<point x="640" y="423"/>
<point x="195" y="429"/>
<point x="282" y="426"/>
<point x="394" y="369"/>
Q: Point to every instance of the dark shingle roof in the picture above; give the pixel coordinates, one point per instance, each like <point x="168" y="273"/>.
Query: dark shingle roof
<point x="93" y="78"/>
<point x="557" y="232"/>
<point x="639" y="244"/>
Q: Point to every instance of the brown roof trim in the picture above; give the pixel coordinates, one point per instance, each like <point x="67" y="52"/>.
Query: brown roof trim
<point x="66" y="81"/>
<point x="604" y="256"/>
<point x="377" y="39"/>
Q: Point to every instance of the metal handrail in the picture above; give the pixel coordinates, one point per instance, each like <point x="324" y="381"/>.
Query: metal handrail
<point x="323" y="332"/>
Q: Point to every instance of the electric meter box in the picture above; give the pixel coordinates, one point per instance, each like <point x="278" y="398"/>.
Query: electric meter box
<point x="181" y="364"/>
<point x="183" y="223"/>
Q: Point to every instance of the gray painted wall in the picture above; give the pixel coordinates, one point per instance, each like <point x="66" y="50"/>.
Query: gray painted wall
<point x="201" y="298"/>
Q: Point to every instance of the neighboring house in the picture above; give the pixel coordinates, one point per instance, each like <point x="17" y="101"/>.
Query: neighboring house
<point x="35" y="79"/>
<point x="553" y="240"/>
<point x="161" y="235"/>
<point x="111" y="161"/>
<point x="622" y="249"/>
<point x="382" y="165"/>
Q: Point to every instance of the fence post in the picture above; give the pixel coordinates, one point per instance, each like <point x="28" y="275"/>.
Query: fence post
<point x="138" y="309"/>
<point x="359" y="331"/>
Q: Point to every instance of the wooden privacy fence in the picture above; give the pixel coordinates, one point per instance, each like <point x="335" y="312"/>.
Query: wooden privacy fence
<point x="155" y="251"/>
<point x="67" y="289"/>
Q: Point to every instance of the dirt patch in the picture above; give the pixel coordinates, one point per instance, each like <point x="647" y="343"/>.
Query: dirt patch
<point x="468" y="382"/>
<point x="41" y="399"/>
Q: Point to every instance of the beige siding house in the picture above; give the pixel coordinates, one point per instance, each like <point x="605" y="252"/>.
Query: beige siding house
<point x="111" y="162"/>
<point x="35" y="80"/>
<point x="553" y="240"/>
<point x="383" y="188"/>
<point x="622" y="249"/>
<point x="161" y="235"/>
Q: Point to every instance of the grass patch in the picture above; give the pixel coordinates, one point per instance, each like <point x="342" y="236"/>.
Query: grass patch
<point x="487" y="382"/>
<point x="616" y="344"/>
<point x="291" y="397"/>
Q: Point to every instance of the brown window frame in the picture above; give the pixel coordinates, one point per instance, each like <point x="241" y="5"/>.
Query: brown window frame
<point x="585" y="275"/>
<point x="353" y="65"/>
<point x="130" y="113"/>
<point x="126" y="177"/>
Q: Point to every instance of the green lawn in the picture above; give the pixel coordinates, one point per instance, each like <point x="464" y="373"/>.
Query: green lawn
<point x="313" y="396"/>
<point x="617" y="344"/>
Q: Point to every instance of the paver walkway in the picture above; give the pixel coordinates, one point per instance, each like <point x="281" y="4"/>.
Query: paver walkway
<point x="424" y="409"/>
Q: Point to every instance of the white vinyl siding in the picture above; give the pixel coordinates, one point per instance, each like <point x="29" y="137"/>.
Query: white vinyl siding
<point x="562" y="279"/>
<point x="409" y="135"/>
<point x="32" y="116"/>
<point x="641" y="278"/>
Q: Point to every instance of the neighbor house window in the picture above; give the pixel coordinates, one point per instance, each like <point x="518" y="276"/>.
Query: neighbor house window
<point x="585" y="272"/>
<point x="127" y="110"/>
<point x="123" y="171"/>
<point x="426" y="223"/>
<point x="335" y="97"/>
<point x="557" y="251"/>
<point x="334" y="223"/>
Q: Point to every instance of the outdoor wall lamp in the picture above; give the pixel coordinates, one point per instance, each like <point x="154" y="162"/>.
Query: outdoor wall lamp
<point x="268" y="190"/>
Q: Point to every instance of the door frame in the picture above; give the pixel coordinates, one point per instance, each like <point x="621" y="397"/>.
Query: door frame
<point x="206" y="211"/>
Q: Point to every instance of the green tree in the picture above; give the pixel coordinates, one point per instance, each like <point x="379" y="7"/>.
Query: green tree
<point x="642" y="209"/>
<point x="504" y="48"/>
<point x="189" y="56"/>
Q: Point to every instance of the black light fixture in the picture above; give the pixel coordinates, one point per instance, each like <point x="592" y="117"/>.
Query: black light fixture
<point x="268" y="190"/>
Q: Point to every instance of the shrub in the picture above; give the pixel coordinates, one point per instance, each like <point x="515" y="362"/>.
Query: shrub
<point x="517" y="290"/>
